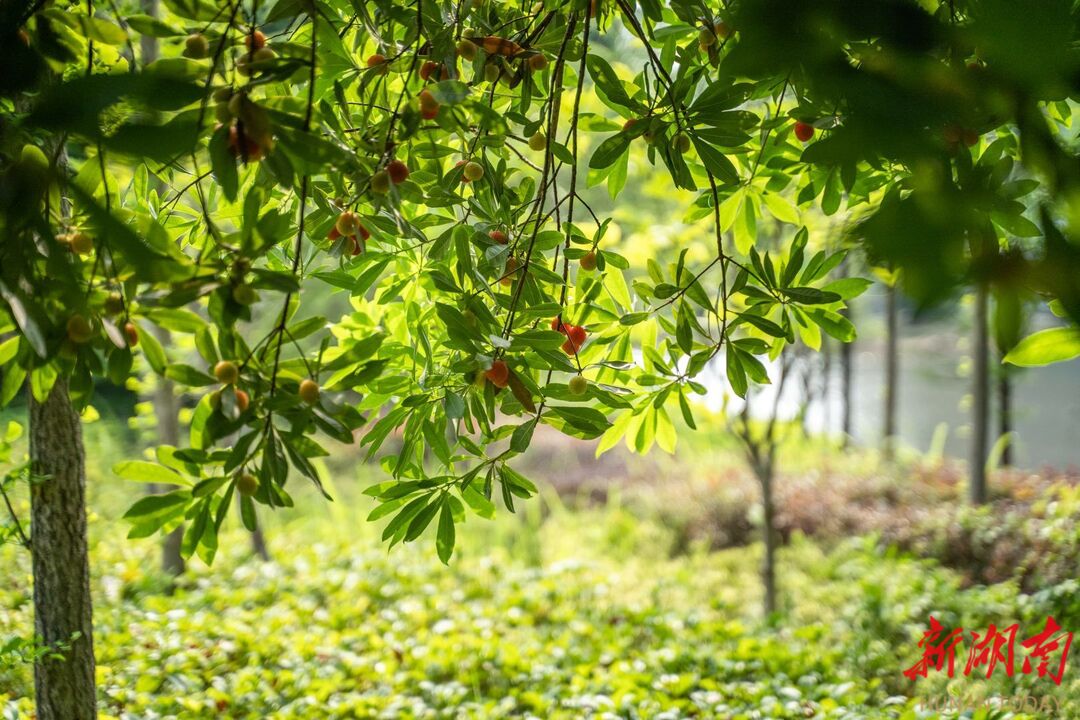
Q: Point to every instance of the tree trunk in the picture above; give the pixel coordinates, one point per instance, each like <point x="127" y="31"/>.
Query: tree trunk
<point x="167" y="411"/>
<point x="846" y="393"/>
<point x="892" y="362"/>
<point x="768" y="562"/>
<point x="1005" y="418"/>
<point x="258" y="545"/>
<point x="63" y="615"/>
<point x="826" y="386"/>
<point x="981" y="396"/>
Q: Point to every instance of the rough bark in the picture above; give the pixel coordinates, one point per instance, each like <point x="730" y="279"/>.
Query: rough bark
<point x="892" y="370"/>
<point x="980" y="392"/>
<point x="63" y="615"/>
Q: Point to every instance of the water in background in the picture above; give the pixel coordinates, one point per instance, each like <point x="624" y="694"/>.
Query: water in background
<point x="935" y="392"/>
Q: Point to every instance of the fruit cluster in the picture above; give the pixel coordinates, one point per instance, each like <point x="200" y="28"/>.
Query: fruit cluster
<point x="576" y="335"/>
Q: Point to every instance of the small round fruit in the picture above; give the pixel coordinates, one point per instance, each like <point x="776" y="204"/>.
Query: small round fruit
<point x="538" y="141"/>
<point x="588" y="261"/>
<point x="499" y="374"/>
<point x="578" y="385"/>
<point x="347" y="223"/>
<point x="969" y="137"/>
<point x="79" y="329"/>
<point x="243" y="401"/>
<point x="114" y="304"/>
<point x="399" y="171"/>
<point x="309" y="391"/>
<point x="466" y="50"/>
<point x="226" y="372"/>
<point x="378" y="64"/>
<point x="499" y="236"/>
<point x="538" y="62"/>
<point x="473" y="171"/>
<point x="428" y="69"/>
<point x="255" y="40"/>
<point x="682" y="143"/>
<point x="196" y="46"/>
<point x="575" y="338"/>
<point x="380" y="182"/>
<point x="247" y="484"/>
<point x="706" y="37"/>
<point x="722" y="30"/>
<point x="264" y="55"/>
<point x="507" y="278"/>
<point x="81" y="243"/>
<point x="427" y="101"/>
<point x="492" y="73"/>
<point x="804" y="131"/>
<point x="131" y="332"/>
<point x="244" y="294"/>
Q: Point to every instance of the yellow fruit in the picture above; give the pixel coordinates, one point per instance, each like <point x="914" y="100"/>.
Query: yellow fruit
<point x="131" y="332"/>
<point x="226" y="372"/>
<point x="309" y="391"/>
<point x="588" y="261"/>
<point x="706" y="37"/>
<point x="538" y="141"/>
<point x="538" y="62"/>
<point x="348" y="224"/>
<point x="473" y="171"/>
<point x="245" y="294"/>
<point x="466" y="50"/>
<point x="196" y="46"/>
<point x="79" y="329"/>
<point x="247" y="484"/>
<point x="578" y="385"/>
<point x="380" y="182"/>
<point x="81" y="243"/>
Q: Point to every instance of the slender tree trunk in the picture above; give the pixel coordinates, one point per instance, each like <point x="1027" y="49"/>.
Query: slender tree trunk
<point x="167" y="410"/>
<point x="826" y="386"/>
<point x="1004" y="388"/>
<point x="892" y="369"/>
<point x="846" y="391"/>
<point x="768" y="563"/>
<point x="258" y="544"/>
<point x="981" y="395"/>
<point x="63" y="615"/>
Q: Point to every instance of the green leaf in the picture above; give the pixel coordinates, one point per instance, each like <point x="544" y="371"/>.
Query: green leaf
<point x="444" y="541"/>
<point x="609" y="151"/>
<point x="148" y="472"/>
<point x="1045" y="347"/>
<point x="833" y="323"/>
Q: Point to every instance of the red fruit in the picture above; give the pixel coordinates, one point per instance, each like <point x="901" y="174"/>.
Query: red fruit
<point x="428" y="69"/>
<point x="243" y="401"/>
<point x="575" y="339"/>
<point x="377" y="63"/>
<point x="255" y="41"/>
<point x="131" y="332"/>
<point x="334" y="234"/>
<point x="399" y="171"/>
<point x="558" y="324"/>
<point x="461" y="163"/>
<point x="499" y="236"/>
<point x="357" y="245"/>
<point x="499" y="374"/>
<point x="804" y="131"/>
<point x="243" y="146"/>
<point x="429" y="106"/>
<point x="362" y="232"/>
